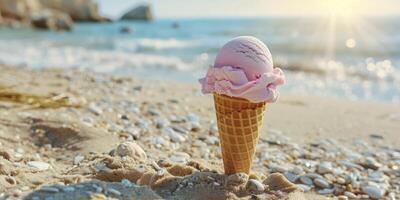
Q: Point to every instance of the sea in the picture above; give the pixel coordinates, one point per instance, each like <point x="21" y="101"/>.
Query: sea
<point x="357" y="59"/>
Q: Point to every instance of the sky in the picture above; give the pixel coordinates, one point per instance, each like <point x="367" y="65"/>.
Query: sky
<point x="252" y="8"/>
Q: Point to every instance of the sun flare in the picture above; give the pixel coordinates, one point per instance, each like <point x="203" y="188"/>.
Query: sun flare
<point x="341" y="8"/>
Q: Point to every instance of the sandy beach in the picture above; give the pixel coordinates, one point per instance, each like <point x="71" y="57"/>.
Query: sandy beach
<point x="68" y="134"/>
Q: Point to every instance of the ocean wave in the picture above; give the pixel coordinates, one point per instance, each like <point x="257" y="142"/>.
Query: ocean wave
<point x="369" y="69"/>
<point x="151" y="44"/>
<point x="44" y="55"/>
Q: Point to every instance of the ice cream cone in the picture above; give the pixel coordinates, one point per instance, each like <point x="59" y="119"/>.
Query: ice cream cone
<point x="239" y="123"/>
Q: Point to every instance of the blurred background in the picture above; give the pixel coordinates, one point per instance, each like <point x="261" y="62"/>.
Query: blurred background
<point x="337" y="48"/>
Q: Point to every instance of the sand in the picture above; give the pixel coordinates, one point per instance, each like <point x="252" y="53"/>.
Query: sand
<point x="77" y="138"/>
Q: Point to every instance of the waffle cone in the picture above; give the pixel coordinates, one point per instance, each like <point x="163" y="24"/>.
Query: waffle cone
<point x="239" y="123"/>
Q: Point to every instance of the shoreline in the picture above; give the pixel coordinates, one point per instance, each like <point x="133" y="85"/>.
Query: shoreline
<point x="91" y="115"/>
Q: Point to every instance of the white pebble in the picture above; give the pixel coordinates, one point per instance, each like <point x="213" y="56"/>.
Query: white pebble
<point x="173" y="135"/>
<point x="321" y="183"/>
<point x="41" y="166"/>
<point x="373" y="191"/>
<point x="131" y="149"/>
<point x="255" y="185"/>
<point x="78" y="159"/>
<point x="95" y="109"/>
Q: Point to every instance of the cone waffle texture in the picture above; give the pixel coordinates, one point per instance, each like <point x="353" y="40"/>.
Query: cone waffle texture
<point x="239" y="123"/>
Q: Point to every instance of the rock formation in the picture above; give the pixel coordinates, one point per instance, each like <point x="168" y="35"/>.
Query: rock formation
<point x="79" y="10"/>
<point x="52" y="19"/>
<point x="48" y="14"/>
<point x="142" y="12"/>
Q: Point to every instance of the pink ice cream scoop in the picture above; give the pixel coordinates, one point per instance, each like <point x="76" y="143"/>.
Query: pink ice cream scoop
<point x="244" y="68"/>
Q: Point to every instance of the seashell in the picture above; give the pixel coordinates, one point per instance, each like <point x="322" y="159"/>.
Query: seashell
<point x="277" y="181"/>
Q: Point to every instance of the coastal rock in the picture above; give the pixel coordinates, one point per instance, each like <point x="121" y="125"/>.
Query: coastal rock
<point x="52" y="20"/>
<point x="131" y="149"/>
<point x="18" y="9"/>
<point x="142" y="12"/>
<point x="82" y="10"/>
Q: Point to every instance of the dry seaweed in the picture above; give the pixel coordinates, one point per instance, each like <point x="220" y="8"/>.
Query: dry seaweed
<point x="54" y="101"/>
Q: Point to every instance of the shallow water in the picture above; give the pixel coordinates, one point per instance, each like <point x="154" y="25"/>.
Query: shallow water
<point x="322" y="56"/>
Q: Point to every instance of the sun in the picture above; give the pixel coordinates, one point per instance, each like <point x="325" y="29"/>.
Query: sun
<point x="341" y="8"/>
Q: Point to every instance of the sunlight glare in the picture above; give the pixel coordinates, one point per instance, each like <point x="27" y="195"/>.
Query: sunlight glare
<point x="342" y="8"/>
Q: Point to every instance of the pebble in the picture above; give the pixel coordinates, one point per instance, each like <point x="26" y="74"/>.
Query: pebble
<point x="342" y="197"/>
<point x="95" y="109"/>
<point x="291" y="177"/>
<point x="161" y="123"/>
<point x="114" y="191"/>
<point x="78" y="159"/>
<point x="159" y="141"/>
<point x="214" y="129"/>
<point x="180" y="130"/>
<point x="126" y="183"/>
<point x="180" y="157"/>
<point x="199" y="143"/>
<point x="373" y="191"/>
<point x="41" y="166"/>
<point x="325" y="168"/>
<point x="173" y="135"/>
<point x="131" y="149"/>
<point x="212" y="140"/>
<point x="255" y="185"/>
<point x="350" y="195"/>
<point x="154" y="112"/>
<point x="306" y="180"/>
<point x="313" y="175"/>
<point x="326" y="191"/>
<point x="304" y="187"/>
<point x="321" y="183"/>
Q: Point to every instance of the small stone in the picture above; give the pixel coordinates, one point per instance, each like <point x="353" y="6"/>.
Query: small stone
<point x="214" y="129"/>
<point x="376" y="136"/>
<point x="78" y="159"/>
<point x="199" y="143"/>
<point x="341" y="181"/>
<point x="325" y="168"/>
<point x="373" y="191"/>
<point x="306" y="180"/>
<point x="326" y="191"/>
<point x="255" y="185"/>
<point x="161" y="123"/>
<point x="342" y="197"/>
<point x="131" y="149"/>
<point x="95" y="109"/>
<point x="154" y="112"/>
<point x="371" y="163"/>
<point x="321" y="183"/>
<point x="180" y="130"/>
<point x="212" y="140"/>
<point x="180" y="157"/>
<point x="126" y="183"/>
<point x="291" y="177"/>
<point x="304" y="187"/>
<point x="41" y="166"/>
<point x="174" y="136"/>
<point x="114" y="192"/>
<point x="350" y="195"/>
